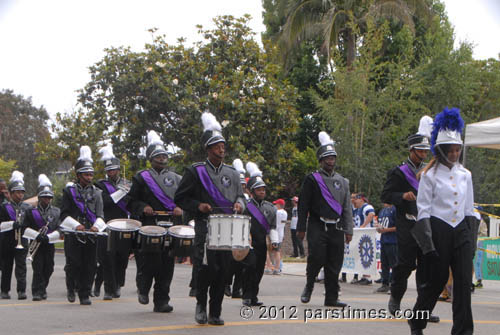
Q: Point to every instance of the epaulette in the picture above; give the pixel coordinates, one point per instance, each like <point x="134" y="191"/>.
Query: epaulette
<point x="198" y="164"/>
<point x="229" y="166"/>
<point x="70" y="184"/>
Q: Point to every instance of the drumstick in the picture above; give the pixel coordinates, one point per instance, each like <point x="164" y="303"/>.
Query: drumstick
<point x="163" y="213"/>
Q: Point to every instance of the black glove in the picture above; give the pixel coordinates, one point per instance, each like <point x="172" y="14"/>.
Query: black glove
<point x="42" y="238"/>
<point x="16" y="225"/>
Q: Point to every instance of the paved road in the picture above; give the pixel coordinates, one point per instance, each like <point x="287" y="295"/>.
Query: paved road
<point x="127" y="316"/>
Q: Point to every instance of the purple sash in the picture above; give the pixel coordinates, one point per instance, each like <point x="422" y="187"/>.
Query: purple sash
<point x="410" y="176"/>
<point x="39" y="220"/>
<point x="111" y="189"/>
<point x="327" y="195"/>
<point x="81" y="206"/>
<point x="257" y="214"/>
<point x="157" y="191"/>
<point x="11" y="211"/>
<point x="225" y="205"/>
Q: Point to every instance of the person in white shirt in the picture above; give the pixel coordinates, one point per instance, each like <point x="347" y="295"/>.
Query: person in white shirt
<point x="281" y="217"/>
<point x="443" y="229"/>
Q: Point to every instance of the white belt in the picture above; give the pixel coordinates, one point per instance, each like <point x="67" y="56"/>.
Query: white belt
<point x="329" y="221"/>
<point x="411" y="217"/>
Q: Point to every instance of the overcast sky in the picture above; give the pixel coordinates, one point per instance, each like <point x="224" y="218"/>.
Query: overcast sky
<point x="47" y="46"/>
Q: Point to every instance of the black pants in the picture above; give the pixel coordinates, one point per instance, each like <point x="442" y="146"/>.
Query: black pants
<point x="80" y="264"/>
<point x="211" y="278"/>
<point x="112" y="266"/>
<point x="298" y="245"/>
<point x="235" y="275"/>
<point x="158" y="266"/>
<point x="10" y="255"/>
<point x="326" y="249"/>
<point x="409" y="254"/>
<point x="253" y="270"/>
<point x="43" y="267"/>
<point x="454" y="246"/>
<point x="388" y="260"/>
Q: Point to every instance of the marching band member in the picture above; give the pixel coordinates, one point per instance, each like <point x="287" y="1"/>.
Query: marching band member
<point x="262" y="224"/>
<point x="14" y="247"/>
<point x="236" y="268"/>
<point x="445" y="221"/>
<point x="112" y="263"/>
<point x="81" y="210"/>
<point x="45" y="220"/>
<point x="400" y="190"/>
<point x="325" y="210"/>
<point x="153" y="190"/>
<point x="210" y="187"/>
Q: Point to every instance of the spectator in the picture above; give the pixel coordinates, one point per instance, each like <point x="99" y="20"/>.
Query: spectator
<point x="281" y="217"/>
<point x="389" y="246"/>
<point x="298" y="246"/>
<point x="363" y="217"/>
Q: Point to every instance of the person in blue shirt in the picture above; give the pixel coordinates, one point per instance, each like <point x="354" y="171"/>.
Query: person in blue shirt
<point x="389" y="245"/>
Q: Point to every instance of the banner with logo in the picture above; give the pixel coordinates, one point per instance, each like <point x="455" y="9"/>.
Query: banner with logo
<point x="488" y="256"/>
<point x="362" y="255"/>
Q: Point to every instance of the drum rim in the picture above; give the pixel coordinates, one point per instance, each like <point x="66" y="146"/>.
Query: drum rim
<point x="173" y="234"/>
<point x="241" y="216"/>
<point x="153" y="234"/>
<point x="109" y="224"/>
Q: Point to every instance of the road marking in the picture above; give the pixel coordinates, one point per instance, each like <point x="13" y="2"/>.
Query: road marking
<point x="245" y="323"/>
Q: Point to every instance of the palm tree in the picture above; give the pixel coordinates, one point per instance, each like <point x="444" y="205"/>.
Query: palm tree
<point x="337" y="22"/>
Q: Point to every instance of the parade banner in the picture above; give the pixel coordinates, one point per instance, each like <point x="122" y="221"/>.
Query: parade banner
<point x="362" y="254"/>
<point x="488" y="254"/>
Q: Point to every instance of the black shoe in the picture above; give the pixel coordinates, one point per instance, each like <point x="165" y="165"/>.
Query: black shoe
<point x="107" y="296"/>
<point x="117" y="293"/>
<point x="434" y="318"/>
<point x="416" y="332"/>
<point x="200" y="314"/>
<point x="378" y="281"/>
<point x="21" y="295"/>
<point x="44" y="296"/>
<point x="71" y="296"/>
<point x="5" y="295"/>
<point x="227" y="290"/>
<point x="256" y="302"/>
<point x="97" y="291"/>
<point x="37" y="297"/>
<point x="143" y="299"/>
<point x="246" y="302"/>
<point x="165" y="308"/>
<point x="215" y="321"/>
<point x="393" y="305"/>
<point x="336" y="303"/>
<point x="192" y="292"/>
<point x="85" y="301"/>
<point x="306" y="294"/>
<point x="237" y="294"/>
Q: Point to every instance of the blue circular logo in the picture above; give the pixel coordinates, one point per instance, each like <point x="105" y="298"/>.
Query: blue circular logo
<point x="366" y="251"/>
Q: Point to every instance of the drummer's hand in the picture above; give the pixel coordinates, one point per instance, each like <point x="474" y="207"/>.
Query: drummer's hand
<point x="301" y="235"/>
<point x="94" y="229"/>
<point x="80" y="227"/>
<point x="204" y="208"/>
<point x="177" y="211"/>
<point x="148" y="210"/>
<point x="348" y="238"/>
<point x="237" y="208"/>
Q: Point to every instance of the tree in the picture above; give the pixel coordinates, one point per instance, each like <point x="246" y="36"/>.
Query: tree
<point x="23" y="126"/>
<point x="6" y="168"/>
<point x="341" y="23"/>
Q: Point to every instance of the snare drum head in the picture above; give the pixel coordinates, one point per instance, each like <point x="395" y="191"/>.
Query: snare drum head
<point x="152" y="231"/>
<point x="181" y="231"/>
<point x="124" y="225"/>
<point x="165" y="224"/>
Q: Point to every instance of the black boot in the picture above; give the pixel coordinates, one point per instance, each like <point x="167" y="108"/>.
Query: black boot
<point x="306" y="294"/>
<point x="200" y="314"/>
<point x="71" y="296"/>
<point x="394" y="305"/>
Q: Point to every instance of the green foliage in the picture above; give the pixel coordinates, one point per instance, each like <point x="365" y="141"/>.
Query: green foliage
<point x="6" y="168"/>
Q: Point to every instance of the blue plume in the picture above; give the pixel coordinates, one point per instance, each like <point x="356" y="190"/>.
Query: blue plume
<point x="449" y="119"/>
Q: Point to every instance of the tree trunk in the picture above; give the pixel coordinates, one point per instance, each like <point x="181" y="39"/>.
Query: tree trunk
<point x="351" y="47"/>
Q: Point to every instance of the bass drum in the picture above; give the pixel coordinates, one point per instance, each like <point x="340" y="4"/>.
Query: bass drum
<point x="151" y="239"/>
<point x="181" y="240"/>
<point x="122" y="234"/>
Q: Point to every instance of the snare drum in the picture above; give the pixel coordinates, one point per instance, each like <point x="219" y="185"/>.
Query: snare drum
<point x="181" y="240"/>
<point x="151" y="239"/>
<point x="227" y="232"/>
<point x="122" y="234"/>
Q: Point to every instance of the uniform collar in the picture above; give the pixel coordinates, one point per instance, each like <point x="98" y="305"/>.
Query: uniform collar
<point x="42" y="210"/>
<point x="165" y="170"/>
<point x="216" y="169"/>
<point x="256" y="202"/>
<point x="326" y="173"/>
<point x="80" y="187"/>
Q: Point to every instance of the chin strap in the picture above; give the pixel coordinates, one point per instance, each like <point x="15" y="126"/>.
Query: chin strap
<point x="445" y="157"/>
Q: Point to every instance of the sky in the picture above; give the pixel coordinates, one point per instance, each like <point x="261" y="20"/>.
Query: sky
<point x="47" y="46"/>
